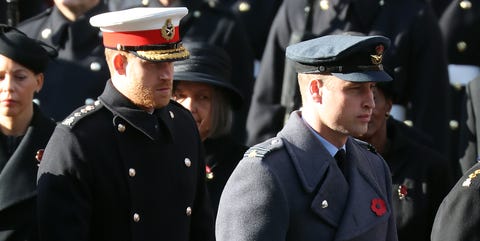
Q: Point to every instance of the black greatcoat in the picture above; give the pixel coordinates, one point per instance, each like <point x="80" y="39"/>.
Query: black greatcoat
<point x="114" y="172"/>
<point x="18" y="187"/>
<point x="80" y="71"/>
<point x="458" y="217"/>
<point x="415" y="59"/>
<point x="221" y="156"/>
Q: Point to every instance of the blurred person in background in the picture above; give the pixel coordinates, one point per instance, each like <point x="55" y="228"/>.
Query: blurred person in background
<point x="202" y="85"/>
<point x="460" y="25"/>
<point x="24" y="131"/>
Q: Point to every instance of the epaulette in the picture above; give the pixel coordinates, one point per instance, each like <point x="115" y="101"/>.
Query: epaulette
<point x="81" y="112"/>
<point x="264" y="148"/>
<point x="366" y="145"/>
<point x="472" y="177"/>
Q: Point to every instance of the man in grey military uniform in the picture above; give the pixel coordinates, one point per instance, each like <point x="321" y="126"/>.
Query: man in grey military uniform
<point x="301" y="185"/>
<point x="129" y="166"/>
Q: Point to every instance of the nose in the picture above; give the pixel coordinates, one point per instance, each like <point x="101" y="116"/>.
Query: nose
<point x="369" y="100"/>
<point x="165" y="70"/>
<point x="6" y="84"/>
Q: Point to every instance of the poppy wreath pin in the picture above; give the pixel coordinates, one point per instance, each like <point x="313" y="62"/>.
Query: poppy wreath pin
<point x="402" y="192"/>
<point x="378" y="206"/>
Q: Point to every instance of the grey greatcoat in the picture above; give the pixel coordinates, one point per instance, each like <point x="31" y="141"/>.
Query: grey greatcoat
<point x="290" y="188"/>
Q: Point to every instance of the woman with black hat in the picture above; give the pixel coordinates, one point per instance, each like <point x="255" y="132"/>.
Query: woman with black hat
<point x="202" y="85"/>
<point x="24" y="131"/>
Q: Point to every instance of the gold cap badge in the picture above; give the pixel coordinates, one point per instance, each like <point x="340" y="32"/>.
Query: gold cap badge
<point x="377" y="58"/>
<point x="168" y="30"/>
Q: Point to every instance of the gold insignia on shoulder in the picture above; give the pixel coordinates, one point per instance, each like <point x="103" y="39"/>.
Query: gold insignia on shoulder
<point x="377" y="58"/>
<point x="252" y="154"/>
<point x="472" y="176"/>
<point x="68" y="121"/>
<point x="168" y="30"/>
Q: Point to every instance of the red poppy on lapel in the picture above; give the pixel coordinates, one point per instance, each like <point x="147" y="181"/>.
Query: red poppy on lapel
<point x="39" y="155"/>
<point x="402" y="192"/>
<point x="378" y="206"/>
<point x="208" y="172"/>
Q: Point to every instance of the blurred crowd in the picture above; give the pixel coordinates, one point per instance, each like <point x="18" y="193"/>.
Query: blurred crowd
<point x="427" y="116"/>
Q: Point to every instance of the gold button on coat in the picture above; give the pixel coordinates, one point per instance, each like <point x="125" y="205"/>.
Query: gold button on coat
<point x="465" y="4"/>
<point x="132" y="172"/>
<point x="324" y="204"/>
<point x="121" y="128"/>
<point x="136" y="217"/>
<point x="188" y="211"/>
<point x="46" y="33"/>
<point x="187" y="161"/>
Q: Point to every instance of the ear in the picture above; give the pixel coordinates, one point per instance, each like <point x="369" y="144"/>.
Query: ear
<point x="40" y="78"/>
<point x="389" y="104"/>
<point x="315" y="89"/>
<point x="120" y="63"/>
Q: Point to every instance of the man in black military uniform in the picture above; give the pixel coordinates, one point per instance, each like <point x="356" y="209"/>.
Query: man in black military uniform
<point x="416" y="60"/>
<point x="206" y="22"/>
<point x="313" y="181"/>
<point x="129" y="166"/>
<point x="460" y="25"/>
<point x="79" y="73"/>
<point x="458" y="217"/>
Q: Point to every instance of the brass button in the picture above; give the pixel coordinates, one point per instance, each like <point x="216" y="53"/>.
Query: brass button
<point x="89" y="101"/>
<point x="197" y="13"/>
<point x="244" y="7"/>
<point x="121" y="128"/>
<point x="453" y="124"/>
<point x="324" y="5"/>
<point x="95" y="66"/>
<point x="187" y="161"/>
<point x="132" y="172"/>
<point x="408" y="122"/>
<point x="465" y="4"/>
<point x="136" y="217"/>
<point x="461" y="46"/>
<point x="324" y="204"/>
<point x="188" y="211"/>
<point x="46" y="33"/>
<point x="145" y="3"/>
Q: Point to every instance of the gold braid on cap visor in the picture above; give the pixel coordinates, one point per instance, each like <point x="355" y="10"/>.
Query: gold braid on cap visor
<point x="179" y="53"/>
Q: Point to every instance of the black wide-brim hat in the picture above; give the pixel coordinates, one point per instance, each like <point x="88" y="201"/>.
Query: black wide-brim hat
<point x="348" y="57"/>
<point x="210" y="65"/>
<point x="31" y="53"/>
